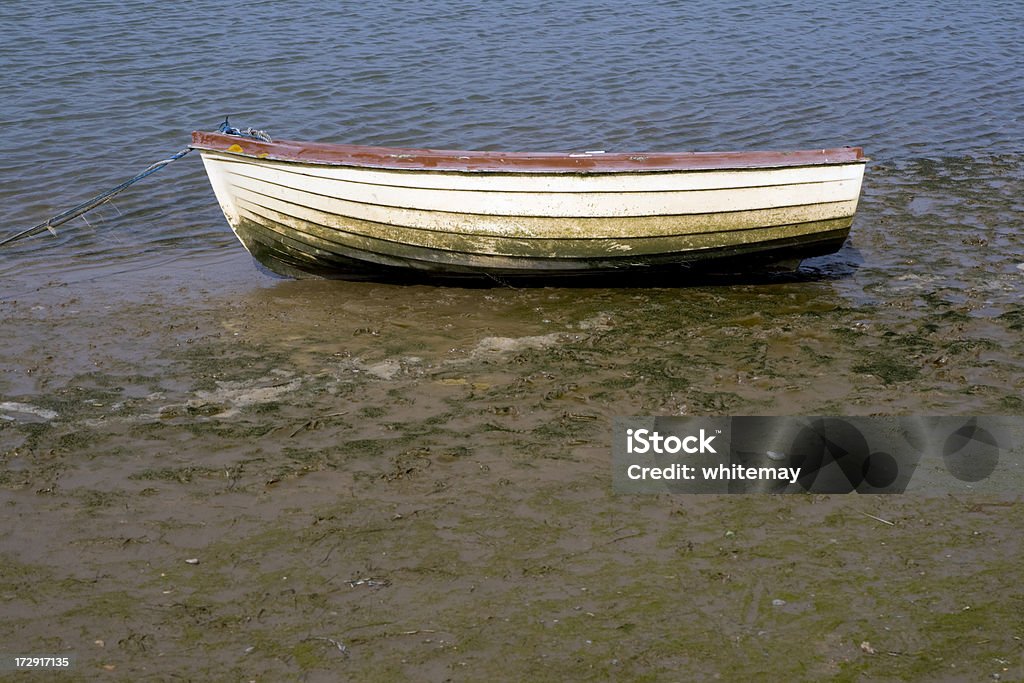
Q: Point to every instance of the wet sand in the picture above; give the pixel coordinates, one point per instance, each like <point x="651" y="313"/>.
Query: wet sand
<point x="378" y="482"/>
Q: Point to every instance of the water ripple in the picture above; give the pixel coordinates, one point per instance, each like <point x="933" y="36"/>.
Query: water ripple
<point x="96" y="91"/>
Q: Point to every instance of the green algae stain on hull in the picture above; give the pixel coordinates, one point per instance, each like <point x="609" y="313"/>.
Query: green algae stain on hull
<point x="348" y="213"/>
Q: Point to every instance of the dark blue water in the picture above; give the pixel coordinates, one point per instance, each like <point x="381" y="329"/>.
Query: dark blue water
<point x="95" y="91"/>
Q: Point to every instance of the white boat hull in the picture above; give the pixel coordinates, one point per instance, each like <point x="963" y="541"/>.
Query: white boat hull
<point x="329" y="218"/>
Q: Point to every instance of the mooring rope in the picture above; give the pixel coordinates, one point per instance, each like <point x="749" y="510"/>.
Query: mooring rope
<point x="253" y="133"/>
<point x="65" y="216"/>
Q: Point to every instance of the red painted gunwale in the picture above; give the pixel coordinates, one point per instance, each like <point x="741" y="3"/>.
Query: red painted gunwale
<point x="324" y="153"/>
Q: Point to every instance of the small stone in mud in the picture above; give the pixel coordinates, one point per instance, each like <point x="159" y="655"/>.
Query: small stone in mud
<point x="368" y="582"/>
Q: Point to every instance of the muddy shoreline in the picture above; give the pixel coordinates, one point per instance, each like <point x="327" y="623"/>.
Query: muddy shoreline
<point x="392" y="482"/>
<point x="209" y="473"/>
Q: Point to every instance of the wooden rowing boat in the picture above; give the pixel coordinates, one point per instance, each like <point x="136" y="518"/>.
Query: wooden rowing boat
<point x="353" y="211"/>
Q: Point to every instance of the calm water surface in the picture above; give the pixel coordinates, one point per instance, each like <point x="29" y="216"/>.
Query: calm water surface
<point x="94" y="91"/>
<point x="934" y="91"/>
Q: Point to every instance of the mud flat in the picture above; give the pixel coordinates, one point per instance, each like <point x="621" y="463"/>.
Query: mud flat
<point x="369" y="496"/>
<point x="219" y="475"/>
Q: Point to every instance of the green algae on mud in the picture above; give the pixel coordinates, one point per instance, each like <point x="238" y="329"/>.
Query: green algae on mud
<point x="465" y="486"/>
<point x="421" y="475"/>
